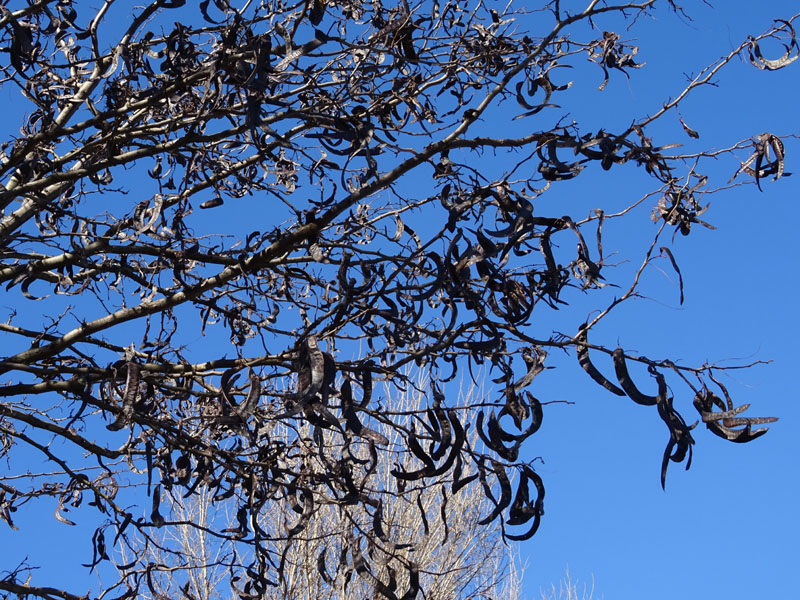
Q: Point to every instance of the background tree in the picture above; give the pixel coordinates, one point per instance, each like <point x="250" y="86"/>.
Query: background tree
<point x="456" y="557"/>
<point x="258" y="168"/>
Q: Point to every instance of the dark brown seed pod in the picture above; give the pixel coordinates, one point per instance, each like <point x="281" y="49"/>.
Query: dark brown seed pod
<point x="505" y="493"/>
<point x="627" y="383"/>
<point x="129" y="398"/>
<point x="248" y="406"/>
<point x="321" y="568"/>
<point x="214" y="202"/>
<point x="523" y="510"/>
<point x="721" y="423"/>
<point x="586" y="363"/>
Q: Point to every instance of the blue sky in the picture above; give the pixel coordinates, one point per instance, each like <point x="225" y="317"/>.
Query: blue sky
<point x="728" y="527"/>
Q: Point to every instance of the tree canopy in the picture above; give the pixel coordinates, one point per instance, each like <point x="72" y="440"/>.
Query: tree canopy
<point x="223" y="227"/>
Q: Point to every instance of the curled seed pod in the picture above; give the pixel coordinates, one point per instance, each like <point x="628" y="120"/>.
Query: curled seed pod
<point x="321" y="568"/>
<point x="758" y="60"/>
<point x="722" y="422"/>
<point x="523" y="510"/>
<point x="155" y="515"/>
<point x="183" y="470"/>
<point x="627" y="383"/>
<point x="248" y="406"/>
<point x="129" y="398"/>
<point x="443" y="426"/>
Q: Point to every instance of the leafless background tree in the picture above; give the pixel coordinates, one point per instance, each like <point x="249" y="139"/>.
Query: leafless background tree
<point x="251" y="167"/>
<point x="456" y="557"/>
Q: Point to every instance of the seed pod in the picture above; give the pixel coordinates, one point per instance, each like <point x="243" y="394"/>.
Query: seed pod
<point x="627" y="383"/>
<point x="129" y="398"/>
<point x="586" y="363"/>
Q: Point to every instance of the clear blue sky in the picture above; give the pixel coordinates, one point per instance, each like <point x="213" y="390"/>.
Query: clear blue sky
<point x="728" y="528"/>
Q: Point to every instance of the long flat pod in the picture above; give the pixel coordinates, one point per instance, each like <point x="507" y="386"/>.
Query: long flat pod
<point x="586" y="363"/>
<point x="460" y="482"/>
<point x="443" y="425"/>
<point x="505" y="493"/>
<point x="627" y="383"/>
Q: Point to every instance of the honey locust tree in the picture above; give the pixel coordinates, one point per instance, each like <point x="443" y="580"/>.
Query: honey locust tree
<point x="224" y="222"/>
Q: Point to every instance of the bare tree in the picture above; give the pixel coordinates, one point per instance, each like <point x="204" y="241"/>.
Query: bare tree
<point x="300" y="128"/>
<point x="568" y="590"/>
<point x="455" y="557"/>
